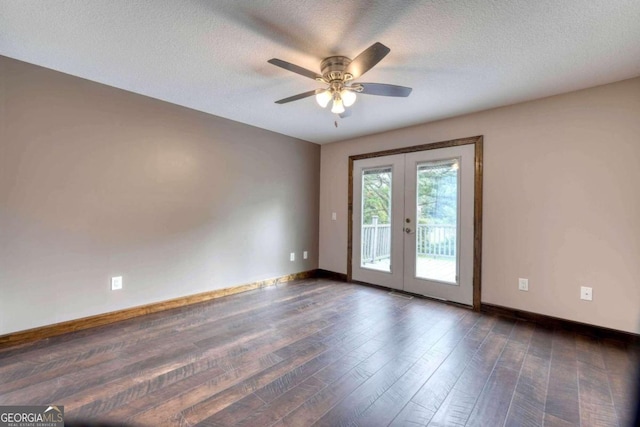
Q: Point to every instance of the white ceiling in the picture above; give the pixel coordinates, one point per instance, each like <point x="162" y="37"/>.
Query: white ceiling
<point x="459" y="56"/>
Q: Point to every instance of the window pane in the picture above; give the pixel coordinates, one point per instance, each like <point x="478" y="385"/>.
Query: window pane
<point x="437" y="220"/>
<point x="375" y="222"/>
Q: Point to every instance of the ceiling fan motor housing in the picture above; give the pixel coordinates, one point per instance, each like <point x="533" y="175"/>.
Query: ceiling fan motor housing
<point x="333" y="69"/>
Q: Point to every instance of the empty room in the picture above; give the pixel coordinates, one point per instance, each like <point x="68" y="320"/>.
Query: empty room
<point x="338" y="213"/>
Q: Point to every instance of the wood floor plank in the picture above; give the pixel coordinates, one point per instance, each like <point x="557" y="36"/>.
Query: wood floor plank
<point x="528" y="402"/>
<point x="115" y="394"/>
<point x="368" y="357"/>
<point x="459" y="403"/>
<point x="272" y="390"/>
<point x="187" y="365"/>
<point x="553" y="421"/>
<point x="439" y="385"/>
<point x="349" y="372"/>
<point x="596" y="404"/>
<point x="588" y="351"/>
<point x="233" y="414"/>
<point x="300" y="374"/>
<point x="623" y="372"/>
<point x="208" y="398"/>
<point x="562" y="401"/>
<point x="352" y="407"/>
<point x="283" y="405"/>
<point x="384" y="409"/>
<point x="293" y="377"/>
<point x="320" y="403"/>
<point x="493" y="404"/>
<point x="412" y="415"/>
<point x="349" y="409"/>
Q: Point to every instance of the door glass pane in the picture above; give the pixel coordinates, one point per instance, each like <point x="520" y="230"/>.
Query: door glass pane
<point x="437" y="220"/>
<point x="375" y="223"/>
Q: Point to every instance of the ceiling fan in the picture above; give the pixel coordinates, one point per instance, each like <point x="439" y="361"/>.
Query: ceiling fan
<point x="338" y="73"/>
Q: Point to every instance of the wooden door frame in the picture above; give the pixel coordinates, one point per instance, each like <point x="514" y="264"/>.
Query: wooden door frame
<point x="477" y="141"/>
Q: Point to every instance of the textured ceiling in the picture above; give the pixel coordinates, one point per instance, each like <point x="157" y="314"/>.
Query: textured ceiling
<point x="459" y="56"/>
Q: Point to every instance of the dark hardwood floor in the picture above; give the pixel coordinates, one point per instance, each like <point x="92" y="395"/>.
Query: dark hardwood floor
<point x="318" y="352"/>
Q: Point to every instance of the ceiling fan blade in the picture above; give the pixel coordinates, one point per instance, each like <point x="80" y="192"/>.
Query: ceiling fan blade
<point x="296" y="97"/>
<point x="347" y="113"/>
<point x="367" y="59"/>
<point x="294" y="68"/>
<point x="384" y="89"/>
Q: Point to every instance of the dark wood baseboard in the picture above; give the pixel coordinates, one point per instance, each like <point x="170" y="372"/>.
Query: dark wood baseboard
<point x="326" y="274"/>
<point x="35" y="334"/>
<point x="556" y="322"/>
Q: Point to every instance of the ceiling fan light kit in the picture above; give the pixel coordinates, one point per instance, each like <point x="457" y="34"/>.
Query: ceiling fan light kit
<point x="339" y="93"/>
<point x="338" y="73"/>
<point x="338" y="106"/>
<point x="348" y="97"/>
<point x="323" y="96"/>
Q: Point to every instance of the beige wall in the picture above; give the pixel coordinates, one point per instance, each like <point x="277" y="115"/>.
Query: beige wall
<point x="561" y="201"/>
<point x="97" y="182"/>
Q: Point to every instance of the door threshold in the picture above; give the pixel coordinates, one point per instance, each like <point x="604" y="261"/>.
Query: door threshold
<point x="400" y="295"/>
<point x="438" y="298"/>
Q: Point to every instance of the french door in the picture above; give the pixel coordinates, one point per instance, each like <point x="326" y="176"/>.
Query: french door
<point x="413" y="222"/>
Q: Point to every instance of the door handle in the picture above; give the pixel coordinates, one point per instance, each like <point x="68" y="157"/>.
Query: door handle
<point x="408" y="230"/>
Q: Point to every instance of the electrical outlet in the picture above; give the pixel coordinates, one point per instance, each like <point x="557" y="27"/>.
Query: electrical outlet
<point x="334" y="216"/>
<point x="116" y="283"/>
<point x="523" y="284"/>
<point x="305" y="255"/>
<point x="586" y="293"/>
<point x="292" y="256"/>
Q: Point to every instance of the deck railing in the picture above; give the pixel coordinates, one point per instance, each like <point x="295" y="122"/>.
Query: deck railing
<point x="431" y="240"/>
<point x="436" y="240"/>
